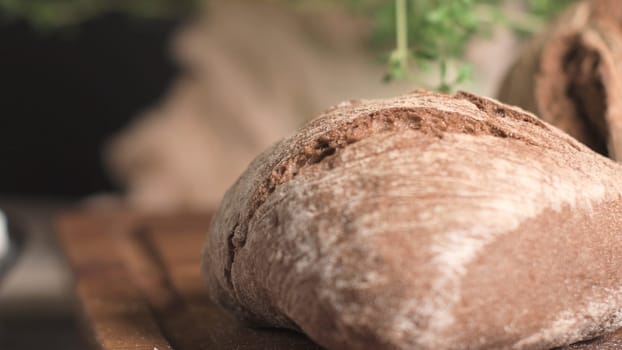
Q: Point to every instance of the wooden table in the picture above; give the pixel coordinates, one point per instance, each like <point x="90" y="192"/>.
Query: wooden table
<point x="139" y="287"/>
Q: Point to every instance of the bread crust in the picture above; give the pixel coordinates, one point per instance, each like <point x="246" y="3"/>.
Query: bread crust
<point x="425" y="221"/>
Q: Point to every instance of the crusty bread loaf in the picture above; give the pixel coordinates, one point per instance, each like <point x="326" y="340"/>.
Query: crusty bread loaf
<point x="425" y="221"/>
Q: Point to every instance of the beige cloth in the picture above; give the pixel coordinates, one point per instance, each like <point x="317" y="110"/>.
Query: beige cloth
<point x="252" y="73"/>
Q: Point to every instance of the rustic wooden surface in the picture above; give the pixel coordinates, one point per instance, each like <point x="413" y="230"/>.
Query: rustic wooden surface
<point x="138" y="285"/>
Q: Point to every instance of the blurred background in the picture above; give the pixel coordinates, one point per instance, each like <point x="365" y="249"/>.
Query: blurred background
<point x="159" y="105"/>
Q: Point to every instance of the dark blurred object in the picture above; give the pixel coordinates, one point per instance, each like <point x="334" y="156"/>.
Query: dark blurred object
<point x="63" y="93"/>
<point x="11" y="239"/>
<point x="36" y="304"/>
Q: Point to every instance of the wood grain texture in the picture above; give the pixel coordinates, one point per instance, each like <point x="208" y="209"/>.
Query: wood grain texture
<point x="139" y="287"/>
<point x="424" y="221"/>
<point x="118" y="315"/>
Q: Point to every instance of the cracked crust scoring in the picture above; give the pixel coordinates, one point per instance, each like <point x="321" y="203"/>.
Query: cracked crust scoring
<point x="424" y="221"/>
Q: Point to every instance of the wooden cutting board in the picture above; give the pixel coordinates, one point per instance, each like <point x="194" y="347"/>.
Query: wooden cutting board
<point x="138" y="286"/>
<point x="137" y="280"/>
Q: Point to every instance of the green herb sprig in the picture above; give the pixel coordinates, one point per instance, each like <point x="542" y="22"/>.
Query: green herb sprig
<point x="438" y="32"/>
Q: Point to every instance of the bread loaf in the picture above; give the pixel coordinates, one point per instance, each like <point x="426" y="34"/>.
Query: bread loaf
<point x="425" y="221"/>
<point x="571" y="75"/>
